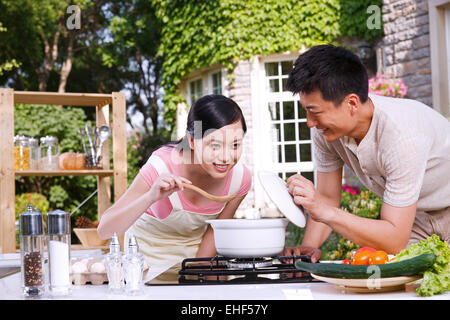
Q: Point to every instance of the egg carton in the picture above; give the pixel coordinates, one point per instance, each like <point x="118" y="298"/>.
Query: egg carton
<point x="88" y="270"/>
<point x="91" y="270"/>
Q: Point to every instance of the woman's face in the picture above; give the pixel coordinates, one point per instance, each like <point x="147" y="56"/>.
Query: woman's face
<point x="219" y="150"/>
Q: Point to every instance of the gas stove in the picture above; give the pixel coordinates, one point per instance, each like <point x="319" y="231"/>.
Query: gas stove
<point x="228" y="270"/>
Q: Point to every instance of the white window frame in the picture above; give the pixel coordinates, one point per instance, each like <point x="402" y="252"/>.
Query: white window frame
<point x="438" y="11"/>
<point x="265" y="123"/>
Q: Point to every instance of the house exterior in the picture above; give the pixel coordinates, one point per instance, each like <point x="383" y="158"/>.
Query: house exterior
<point x="415" y="48"/>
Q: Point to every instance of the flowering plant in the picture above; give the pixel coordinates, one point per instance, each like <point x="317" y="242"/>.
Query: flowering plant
<point x="384" y="86"/>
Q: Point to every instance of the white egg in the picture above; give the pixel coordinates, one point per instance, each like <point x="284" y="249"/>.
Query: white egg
<point x="79" y="267"/>
<point x="98" y="267"/>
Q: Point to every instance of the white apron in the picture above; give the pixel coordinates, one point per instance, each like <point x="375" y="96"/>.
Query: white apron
<point x="170" y="240"/>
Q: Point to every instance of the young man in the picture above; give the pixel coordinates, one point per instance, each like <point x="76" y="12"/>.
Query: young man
<point x="398" y="148"/>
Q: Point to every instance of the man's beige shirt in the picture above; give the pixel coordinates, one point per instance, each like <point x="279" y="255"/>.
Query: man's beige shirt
<point x="404" y="157"/>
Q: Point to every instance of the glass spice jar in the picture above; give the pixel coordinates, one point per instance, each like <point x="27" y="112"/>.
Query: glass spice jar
<point x="34" y="153"/>
<point x="49" y="154"/>
<point x="21" y="153"/>
<point x="32" y="252"/>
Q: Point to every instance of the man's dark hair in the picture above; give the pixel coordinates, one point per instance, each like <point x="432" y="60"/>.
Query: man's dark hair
<point x="335" y="71"/>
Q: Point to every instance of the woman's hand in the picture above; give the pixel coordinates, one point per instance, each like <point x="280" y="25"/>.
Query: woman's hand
<point x="166" y="184"/>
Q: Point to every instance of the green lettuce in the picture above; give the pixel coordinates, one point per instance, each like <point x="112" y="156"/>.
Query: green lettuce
<point x="436" y="279"/>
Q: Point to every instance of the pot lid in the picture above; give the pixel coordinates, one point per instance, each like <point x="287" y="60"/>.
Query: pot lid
<point x="278" y="192"/>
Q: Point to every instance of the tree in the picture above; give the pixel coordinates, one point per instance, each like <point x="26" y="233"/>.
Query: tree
<point x="9" y="64"/>
<point x="43" y="43"/>
<point x="132" y="51"/>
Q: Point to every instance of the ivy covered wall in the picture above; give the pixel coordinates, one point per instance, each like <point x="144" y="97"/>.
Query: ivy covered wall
<point x="200" y="33"/>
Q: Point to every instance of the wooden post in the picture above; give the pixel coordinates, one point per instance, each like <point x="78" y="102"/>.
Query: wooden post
<point x="7" y="185"/>
<point x="119" y="144"/>
<point x="103" y="182"/>
<point x="119" y="134"/>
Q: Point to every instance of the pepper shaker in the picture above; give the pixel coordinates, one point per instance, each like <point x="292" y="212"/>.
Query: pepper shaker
<point x="114" y="266"/>
<point x="134" y="268"/>
<point x="58" y="242"/>
<point x="32" y="252"/>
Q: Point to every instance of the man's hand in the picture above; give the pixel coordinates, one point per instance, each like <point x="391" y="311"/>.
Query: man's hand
<point x="314" y="253"/>
<point x="306" y="195"/>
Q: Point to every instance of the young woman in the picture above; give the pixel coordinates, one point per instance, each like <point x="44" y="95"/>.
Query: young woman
<point x="169" y="220"/>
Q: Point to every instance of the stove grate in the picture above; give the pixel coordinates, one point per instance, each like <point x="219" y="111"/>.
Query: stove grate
<point x="224" y="270"/>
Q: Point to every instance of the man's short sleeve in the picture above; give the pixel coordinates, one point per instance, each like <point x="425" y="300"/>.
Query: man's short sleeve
<point x="326" y="159"/>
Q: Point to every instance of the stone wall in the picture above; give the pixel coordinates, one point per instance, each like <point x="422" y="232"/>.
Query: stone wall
<point x="406" y="46"/>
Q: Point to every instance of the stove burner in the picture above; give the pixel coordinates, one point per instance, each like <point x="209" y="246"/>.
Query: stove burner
<point x="228" y="270"/>
<point x="249" y="263"/>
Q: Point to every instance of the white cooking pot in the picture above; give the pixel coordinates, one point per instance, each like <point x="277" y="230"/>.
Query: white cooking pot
<point x="249" y="238"/>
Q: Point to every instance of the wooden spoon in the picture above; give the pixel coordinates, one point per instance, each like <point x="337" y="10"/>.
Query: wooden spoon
<point x="208" y="195"/>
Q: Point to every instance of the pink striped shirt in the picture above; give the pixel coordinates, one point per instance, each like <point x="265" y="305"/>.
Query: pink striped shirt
<point x="162" y="208"/>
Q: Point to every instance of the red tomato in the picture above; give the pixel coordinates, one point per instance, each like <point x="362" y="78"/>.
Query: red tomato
<point x="361" y="258"/>
<point x="378" y="257"/>
<point x="346" y="261"/>
<point x="365" y="248"/>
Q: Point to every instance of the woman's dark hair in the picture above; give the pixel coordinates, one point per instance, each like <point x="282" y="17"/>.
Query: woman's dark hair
<point x="335" y="71"/>
<point x="209" y="113"/>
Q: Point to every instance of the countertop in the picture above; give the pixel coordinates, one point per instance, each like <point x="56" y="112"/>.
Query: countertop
<point x="10" y="289"/>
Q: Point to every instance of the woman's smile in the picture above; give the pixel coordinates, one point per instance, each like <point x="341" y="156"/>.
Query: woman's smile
<point x="221" y="167"/>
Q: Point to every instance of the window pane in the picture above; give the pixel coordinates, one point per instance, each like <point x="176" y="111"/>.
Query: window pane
<point x="217" y="83"/>
<point x="305" y="152"/>
<point x="301" y="112"/>
<point x="289" y="132"/>
<point x="280" y="150"/>
<point x="198" y="88"/>
<point x="274" y="86"/>
<point x="288" y="174"/>
<point x="195" y="90"/>
<point x="283" y="83"/>
<point x="271" y="69"/>
<point x="288" y="110"/>
<point x="286" y="67"/>
<point x="308" y="175"/>
<point x="303" y="131"/>
<point x="274" y="108"/>
<point x="289" y="153"/>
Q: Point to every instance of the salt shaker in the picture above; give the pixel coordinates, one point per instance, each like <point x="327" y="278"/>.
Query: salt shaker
<point x="58" y="242"/>
<point x="134" y="268"/>
<point x="31" y="252"/>
<point x="114" y="267"/>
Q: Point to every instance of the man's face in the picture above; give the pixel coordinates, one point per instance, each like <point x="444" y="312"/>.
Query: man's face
<point x="333" y="122"/>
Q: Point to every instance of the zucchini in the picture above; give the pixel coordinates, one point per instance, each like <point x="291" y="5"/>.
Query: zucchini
<point x="409" y="267"/>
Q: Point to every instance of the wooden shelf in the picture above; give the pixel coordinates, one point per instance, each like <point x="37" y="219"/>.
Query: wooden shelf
<point x="66" y="99"/>
<point x="103" y="103"/>
<point x="101" y="173"/>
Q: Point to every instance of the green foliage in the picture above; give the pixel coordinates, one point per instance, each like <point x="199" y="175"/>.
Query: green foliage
<point x="354" y="16"/>
<point x="363" y="203"/>
<point x="139" y="148"/>
<point x="34" y="199"/>
<point x="197" y="34"/>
